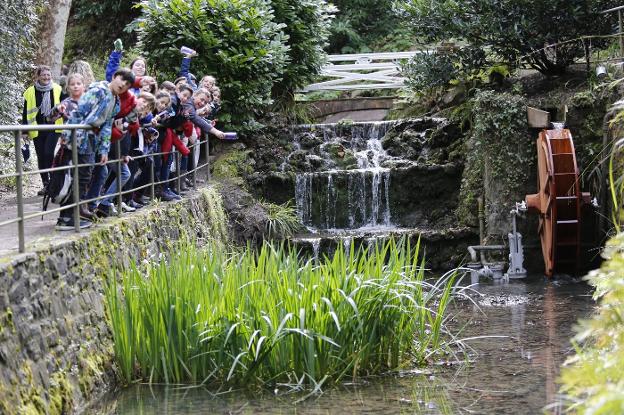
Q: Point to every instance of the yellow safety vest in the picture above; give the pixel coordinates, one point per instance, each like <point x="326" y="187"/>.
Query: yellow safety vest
<point x="32" y="110"/>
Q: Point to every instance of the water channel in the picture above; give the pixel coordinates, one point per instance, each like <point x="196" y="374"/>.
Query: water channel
<point x="522" y="329"/>
<point x="517" y="333"/>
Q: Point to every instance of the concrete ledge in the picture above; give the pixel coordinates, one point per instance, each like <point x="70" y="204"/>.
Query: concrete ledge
<point x="319" y="110"/>
<point x="56" y="349"/>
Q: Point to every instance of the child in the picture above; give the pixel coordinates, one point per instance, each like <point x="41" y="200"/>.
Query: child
<point x="146" y="103"/>
<point x="75" y="88"/>
<point x="96" y="108"/>
<point x="167" y="139"/>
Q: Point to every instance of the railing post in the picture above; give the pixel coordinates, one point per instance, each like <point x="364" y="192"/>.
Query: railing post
<point x="20" y="191"/>
<point x="196" y="149"/>
<point x="207" y="159"/>
<point x="176" y="160"/>
<point x="118" y="178"/>
<point x="152" y="178"/>
<point x="75" y="187"/>
<point x="620" y="30"/>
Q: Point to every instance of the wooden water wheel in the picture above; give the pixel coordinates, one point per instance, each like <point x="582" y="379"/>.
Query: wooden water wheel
<point x="558" y="202"/>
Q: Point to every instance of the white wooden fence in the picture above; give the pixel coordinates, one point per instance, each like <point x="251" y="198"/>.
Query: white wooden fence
<point x="362" y="71"/>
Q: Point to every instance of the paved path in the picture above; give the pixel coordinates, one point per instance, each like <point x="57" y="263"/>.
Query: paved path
<point x="39" y="231"/>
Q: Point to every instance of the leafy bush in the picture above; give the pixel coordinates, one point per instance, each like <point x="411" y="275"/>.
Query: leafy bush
<point x="426" y="72"/>
<point x="18" y="20"/>
<point x="307" y="27"/>
<point x="360" y="24"/>
<point x="429" y="71"/>
<point x="101" y="22"/>
<point x="237" y="42"/>
<point x="514" y="29"/>
<point x="593" y="379"/>
<point x="257" y="49"/>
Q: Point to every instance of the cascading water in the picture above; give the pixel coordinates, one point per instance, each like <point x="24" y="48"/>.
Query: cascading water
<point x="351" y="191"/>
<point x="367" y="184"/>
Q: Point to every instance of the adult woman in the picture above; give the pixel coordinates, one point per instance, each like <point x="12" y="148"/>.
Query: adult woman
<point x="39" y="100"/>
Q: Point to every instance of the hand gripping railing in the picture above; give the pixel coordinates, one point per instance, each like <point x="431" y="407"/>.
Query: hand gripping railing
<point x="20" y="173"/>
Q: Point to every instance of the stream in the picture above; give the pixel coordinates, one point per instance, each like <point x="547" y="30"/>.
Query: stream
<point x="360" y="184"/>
<point x="522" y="329"/>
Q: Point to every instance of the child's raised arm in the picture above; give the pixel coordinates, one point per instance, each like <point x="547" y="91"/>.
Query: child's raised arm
<point x="114" y="60"/>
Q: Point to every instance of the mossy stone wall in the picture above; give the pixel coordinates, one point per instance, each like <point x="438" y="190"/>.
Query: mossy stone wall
<point x="55" y="345"/>
<point x="500" y="161"/>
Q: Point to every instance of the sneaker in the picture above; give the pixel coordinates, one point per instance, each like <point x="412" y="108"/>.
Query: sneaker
<point x="166" y="196"/>
<point x="183" y="186"/>
<point x="105" y="211"/>
<point x="144" y="200"/>
<point x="85" y="213"/>
<point x="67" y="224"/>
<point x="173" y="194"/>
<point x="189" y="182"/>
<point x="126" y="208"/>
<point x="134" y="204"/>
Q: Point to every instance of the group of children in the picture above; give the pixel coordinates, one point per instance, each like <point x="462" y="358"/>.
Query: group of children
<point x="151" y="124"/>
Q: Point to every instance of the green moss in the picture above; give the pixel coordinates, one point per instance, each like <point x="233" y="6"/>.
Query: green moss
<point x="233" y="165"/>
<point x="60" y="393"/>
<point x="91" y="369"/>
<point x="6" y="320"/>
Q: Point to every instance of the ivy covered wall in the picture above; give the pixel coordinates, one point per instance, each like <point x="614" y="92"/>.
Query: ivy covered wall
<point x="19" y="21"/>
<point x="500" y="160"/>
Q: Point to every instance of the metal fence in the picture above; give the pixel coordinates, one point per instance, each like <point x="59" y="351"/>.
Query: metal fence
<point x="19" y="174"/>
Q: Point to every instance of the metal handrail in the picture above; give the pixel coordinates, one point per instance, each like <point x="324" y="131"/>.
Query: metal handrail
<point x="620" y="26"/>
<point x="19" y="174"/>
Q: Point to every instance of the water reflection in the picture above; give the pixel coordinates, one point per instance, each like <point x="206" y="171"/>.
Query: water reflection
<point x="519" y="336"/>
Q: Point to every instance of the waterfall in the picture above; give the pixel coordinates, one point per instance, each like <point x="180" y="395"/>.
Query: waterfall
<point x="367" y="186"/>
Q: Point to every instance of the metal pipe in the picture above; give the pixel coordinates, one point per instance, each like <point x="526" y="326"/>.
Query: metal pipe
<point x="177" y="162"/>
<point x="118" y="178"/>
<point x="75" y="187"/>
<point x="52" y="127"/>
<point x="621" y="38"/>
<point x="207" y="159"/>
<point x="481" y="216"/>
<point x="20" y="192"/>
<point x="152" y="179"/>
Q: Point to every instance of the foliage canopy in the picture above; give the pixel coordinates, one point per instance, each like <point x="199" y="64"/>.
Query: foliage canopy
<point x="514" y="30"/>
<point x="257" y="49"/>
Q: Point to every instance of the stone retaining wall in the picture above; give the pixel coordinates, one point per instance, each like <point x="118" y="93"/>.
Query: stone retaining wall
<point x="55" y="345"/>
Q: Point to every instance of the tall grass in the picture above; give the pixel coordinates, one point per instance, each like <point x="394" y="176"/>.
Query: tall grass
<point x="267" y="317"/>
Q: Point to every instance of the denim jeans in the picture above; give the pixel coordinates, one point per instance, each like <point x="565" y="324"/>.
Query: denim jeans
<point x="100" y="173"/>
<point x="112" y="189"/>
<point x="84" y="178"/>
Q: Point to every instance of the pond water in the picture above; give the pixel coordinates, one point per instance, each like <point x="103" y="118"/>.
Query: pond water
<point x="525" y="329"/>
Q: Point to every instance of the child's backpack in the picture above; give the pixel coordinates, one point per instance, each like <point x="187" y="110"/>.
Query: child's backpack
<point x="58" y="189"/>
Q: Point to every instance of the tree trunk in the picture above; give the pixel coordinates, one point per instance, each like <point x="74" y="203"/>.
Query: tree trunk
<point x="52" y="35"/>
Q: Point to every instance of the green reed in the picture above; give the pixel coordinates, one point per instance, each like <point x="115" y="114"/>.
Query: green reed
<point x="266" y="317"/>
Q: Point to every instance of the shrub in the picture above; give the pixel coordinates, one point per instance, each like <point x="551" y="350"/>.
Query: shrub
<point x="237" y="41"/>
<point x="593" y="379"/>
<point x="429" y="71"/>
<point x="18" y="20"/>
<point x="360" y="24"/>
<point x="514" y="29"/>
<point x="307" y="27"/>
